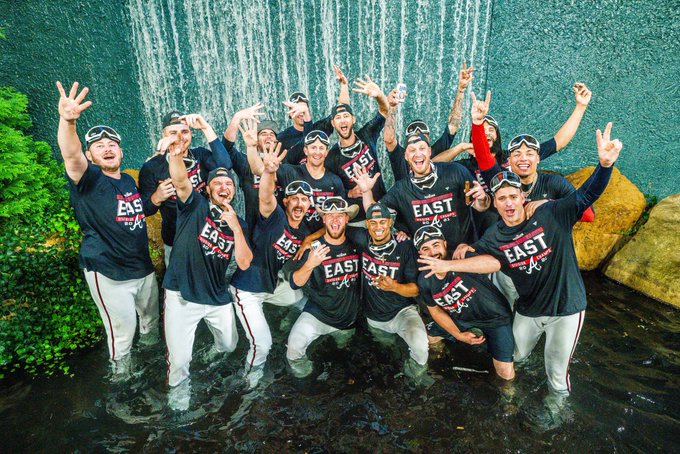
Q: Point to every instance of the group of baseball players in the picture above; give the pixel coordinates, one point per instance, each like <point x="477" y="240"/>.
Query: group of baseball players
<point x="481" y="245"/>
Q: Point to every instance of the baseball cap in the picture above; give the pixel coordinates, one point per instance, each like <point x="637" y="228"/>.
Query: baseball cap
<point x="267" y="124"/>
<point x="427" y="233"/>
<point x="171" y="118"/>
<point x="378" y="211"/>
<point x="340" y="108"/>
<point x="219" y="172"/>
<point x="97" y="133"/>
<point x="416" y="137"/>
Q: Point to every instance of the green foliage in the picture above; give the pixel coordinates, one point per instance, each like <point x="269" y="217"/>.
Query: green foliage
<point x="46" y="311"/>
<point x="29" y="174"/>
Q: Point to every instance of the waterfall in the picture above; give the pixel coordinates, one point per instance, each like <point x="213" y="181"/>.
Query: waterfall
<point x="217" y="57"/>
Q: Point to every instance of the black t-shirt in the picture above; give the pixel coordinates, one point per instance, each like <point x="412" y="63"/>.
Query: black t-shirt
<point x="394" y="259"/>
<point x="333" y="287"/>
<point x="399" y="165"/>
<point x="327" y="186"/>
<point x="548" y="186"/>
<point x="367" y="157"/>
<point x="468" y="297"/>
<point x="294" y="141"/>
<point x="111" y="217"/>
<point x="201" y="254"/>
<point x="538" y="254"/>
<point x="274" y="242"/>
<point x="442" y="205"/>
<point x="157" y="169"/>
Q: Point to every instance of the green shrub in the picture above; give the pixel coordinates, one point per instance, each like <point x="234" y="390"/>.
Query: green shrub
<point x="46" y="311"/>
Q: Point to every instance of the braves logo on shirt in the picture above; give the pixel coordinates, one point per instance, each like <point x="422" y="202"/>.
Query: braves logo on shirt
<point x="318" y="197"/>
<point x="437" y="208"/>
<point x="195" y="178"/>
<point x="214" y="241"/>
<point x="455" y="296"/>
<point x="528" y="251"/>
<point x="372" y="267"/>
<point x="341" y="271"/>
<point x="130" y="211"/>
<point x="364" y="158"/>
<point x="286" y="246"/>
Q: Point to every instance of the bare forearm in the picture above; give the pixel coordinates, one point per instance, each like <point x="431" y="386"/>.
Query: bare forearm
<point x="569" y="128"/>
<point x="343" y="95"/>
<point x="449" y="154"/>
<point x="209" y="134"/>
<point x="232" y="130"/>
<point x="301" y="276"/>
<point x="444" y="320"/>
<point x="407" y="290"/>
<point x="480" y="264"/>
<point x="71" y="149"/>
<point x="456" y="111"/>
<point x="180" y="180"/>
<point x="367" y="199"/>
<point x="242" y="252"/>
<point x="266" y="194"/>
<point x="389" y="132"/>
<point x="383" y="104"/>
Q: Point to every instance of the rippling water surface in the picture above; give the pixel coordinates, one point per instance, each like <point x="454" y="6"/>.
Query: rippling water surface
<point x="625" y="378"/>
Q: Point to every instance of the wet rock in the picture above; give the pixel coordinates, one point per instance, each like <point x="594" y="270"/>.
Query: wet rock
<point x="650" y="262"/>
<point x="616" y="211"/>
<point x="153" y="228"/>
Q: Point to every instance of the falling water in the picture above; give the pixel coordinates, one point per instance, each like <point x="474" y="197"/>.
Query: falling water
<point x="217" y="57"/>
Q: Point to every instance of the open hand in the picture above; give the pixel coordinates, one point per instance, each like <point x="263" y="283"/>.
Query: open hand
<point x="364" y="181"/>
<point x="272" y="157"/>
<point x="248" y="130"/>
<point x="461" y="250"/>
<point x="339" y="76"/>
<point x="71" y="106"/>
<point x="367" y="87"/>
<point x="318" y="255"/>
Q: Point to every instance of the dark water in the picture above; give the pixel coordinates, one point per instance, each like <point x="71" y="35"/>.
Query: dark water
<point x="625" y="378"/>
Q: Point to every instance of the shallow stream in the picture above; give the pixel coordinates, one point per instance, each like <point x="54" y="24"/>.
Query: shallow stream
<point x="625" y="378"/>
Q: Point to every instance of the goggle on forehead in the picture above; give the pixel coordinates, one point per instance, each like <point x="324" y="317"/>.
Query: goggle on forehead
<point x="505" y="177"/>
<point x="491" y="120"/>
<point x="334" y="204"/>
<point x="417" y="127"/>
<point x="99" y="132"/>
<point x="299" y="186"/>
<point x="528" y="140"/>
<point x="298" y="97"/>
<point x="425" y="234"/>
<point x="317" y="135"/>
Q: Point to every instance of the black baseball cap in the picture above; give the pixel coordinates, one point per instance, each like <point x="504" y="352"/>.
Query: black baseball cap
<point x="417" y="137"/>
<point x="340" y="108"/>
<point x="267" y="124"/>
<point x="378" y="211"/>
<point x="97" y="133"/>
<point x="219" y="172"/>
<point x="172" y="118"/>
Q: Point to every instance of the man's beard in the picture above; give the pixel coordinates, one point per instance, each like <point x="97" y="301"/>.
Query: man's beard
<point x="338" y="235"/>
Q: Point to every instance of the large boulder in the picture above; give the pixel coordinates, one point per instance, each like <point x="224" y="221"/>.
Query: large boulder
<point x="650" y="262"/>
<point x="616" y="212"/>
<point x="153" y="228"/>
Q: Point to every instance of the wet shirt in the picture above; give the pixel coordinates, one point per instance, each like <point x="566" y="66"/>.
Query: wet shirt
<point x="394" y="259"/>
<point x="294" y="141"/>
<point x="442" y="205"/>
<point x="201" y="254"/>
<point x="400" y="168"/>
<point x="157" y="169"/>
<point x="274" y="243"/>
<point x="548" y="186"/>
<point x="468" y="297"/>
<point x="333" y="287"/>
<point x="538" y="254"/>
<point x="366" y="156"/>
<point x="327" y="186"/>
<point x="111" y="216"/>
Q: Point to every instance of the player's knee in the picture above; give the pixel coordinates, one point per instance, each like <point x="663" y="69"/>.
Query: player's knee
<point x="296" y="346"/>
<point x="504" y="370"/>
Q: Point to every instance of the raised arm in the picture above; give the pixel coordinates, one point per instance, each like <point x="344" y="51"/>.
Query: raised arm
<point x="480" y="264"/>
<point x="569" y="128"/>
<point x="271" y="161"/>
<point x="178" y="174"/>
<point x="389" y="131"/>
<point x="451" y="153"/>
<point x="242" y="253"/>
<point x="248" y="130"/>
<point x="464" y="79"/>
<point x="249" y="113"/>
<point x="343" y="95"/>
<point x="218" y="156"/>
<point x="70" y="107"/>
<point x="369" y="88"/>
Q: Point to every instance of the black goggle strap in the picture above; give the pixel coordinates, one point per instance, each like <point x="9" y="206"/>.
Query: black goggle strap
<point x="334" y="203"/>
<point x="425" y="234"/>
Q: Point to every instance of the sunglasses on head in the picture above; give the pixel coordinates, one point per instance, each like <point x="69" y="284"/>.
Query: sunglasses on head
<point x="529" y="141"/>
<point x="505" y="177"/>
<point x="417" y="127"/>
<point x="317" y="135"/>
<point x="99" y="132"/>
<point x="298" y="97"/>
<point x="425" y="234"/>
<point x="334" y="204"/>
<point x="297" y="187"/>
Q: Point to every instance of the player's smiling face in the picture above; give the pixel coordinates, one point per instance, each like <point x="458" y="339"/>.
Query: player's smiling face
<point x="491" y="133"/>
<point x="316" y="153"/>
<point x="296" y="206"/>
<point x="379" y="229"/>
<point x="221" y="190"/>
<point x="417" y="154"/>
<point x="183" y="134"/>
<point x="524" y="161"/>
<point x="335" y="224"/>
<point x="343" y="123"/>
<point x="509" y="201"/>
<point x="434" y="248"/>
<point x="106" y="154"/>
<point x="266" y="139"/>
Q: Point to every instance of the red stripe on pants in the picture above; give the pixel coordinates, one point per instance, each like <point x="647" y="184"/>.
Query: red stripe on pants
<point x="99" y="293"/>
<point x="252" y="338"/>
